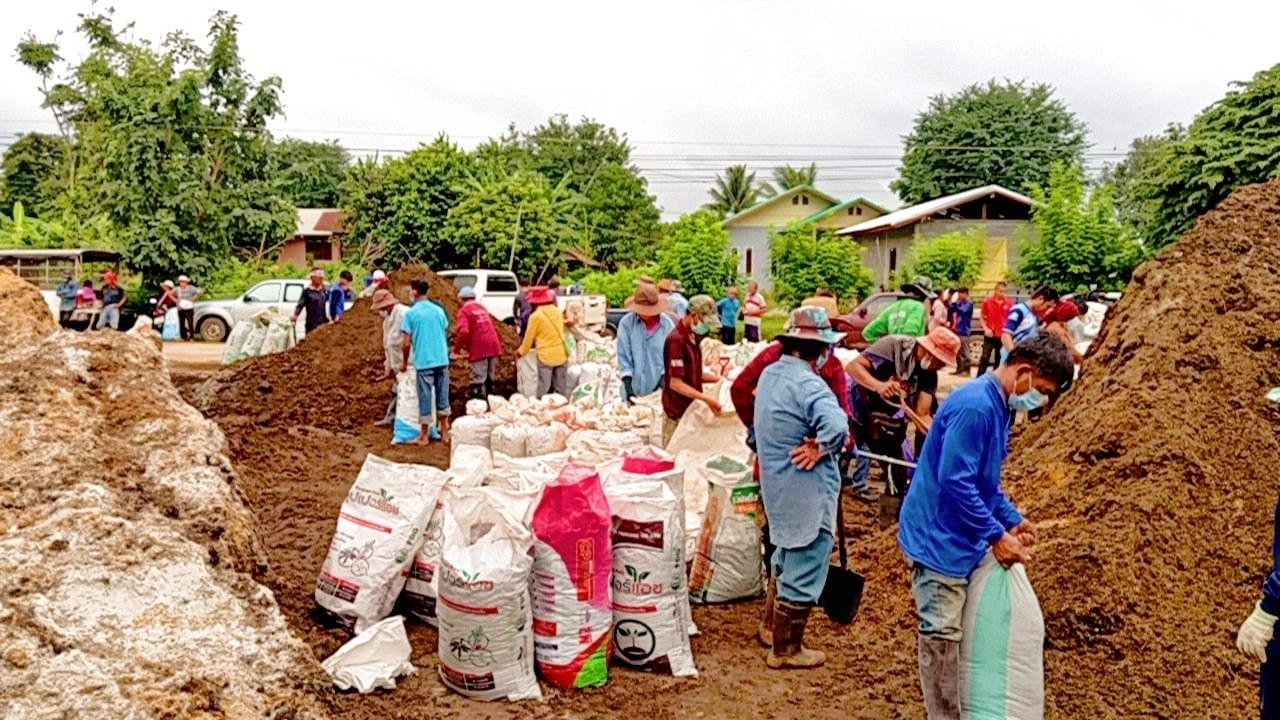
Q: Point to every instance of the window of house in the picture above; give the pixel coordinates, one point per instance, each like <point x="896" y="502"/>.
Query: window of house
<point x="804" y="199"/>
<point x="320" y="249"/>
<point x="749" y="257"/>
<point x="893" y="259"/>
<point x="850" y="211"/>
<point x="795" y="200"/>
<point x="859" y="210"/>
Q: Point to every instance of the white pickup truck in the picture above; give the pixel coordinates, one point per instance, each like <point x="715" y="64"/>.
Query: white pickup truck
<point x="496" y="290"/>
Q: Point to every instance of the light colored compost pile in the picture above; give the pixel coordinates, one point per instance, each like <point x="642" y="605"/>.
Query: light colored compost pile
<point x="126" y="552"/>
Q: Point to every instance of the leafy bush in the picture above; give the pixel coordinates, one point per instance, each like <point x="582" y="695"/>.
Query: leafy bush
<point x="616" y="286"/>
<point x="802" y="261"/>
<point x="696" y="251"/>
<point x="1081" y="241"/>
<point x="949" y="260"/>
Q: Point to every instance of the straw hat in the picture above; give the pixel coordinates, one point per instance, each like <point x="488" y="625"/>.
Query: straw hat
<point x="383" y="299"/>
<point x="942" y="344"/>
<point x="646" y="302"/>
<point x="665" y="285"/>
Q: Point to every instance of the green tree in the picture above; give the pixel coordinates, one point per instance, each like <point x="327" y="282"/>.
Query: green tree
<point x="397" y="211"/>
<point x="31" y="173"/>
<point x="169" y="142"/>
<point x="787" y="177"/>
<point x="618" y="285"/>
<point x="696" y="250"/>
<point x="734" y="191"/>
<point x="1080" y="242"/>
<point x="1231" y="143"/>
<point x="802" y="260"/>
<point x="517" y="221"/>
<point x="1130" y="180"/>
<point x="1006" y="133"/>
<point x="951" y="259"/>
<point x="309" y="174"/>
<point x="617" y="219"/>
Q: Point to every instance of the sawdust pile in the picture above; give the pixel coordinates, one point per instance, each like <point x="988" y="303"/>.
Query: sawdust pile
<point x="126" y="552"/>
<point x="1152" y="484"/>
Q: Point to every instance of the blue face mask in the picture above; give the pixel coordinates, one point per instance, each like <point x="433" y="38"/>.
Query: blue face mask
<point x="1030" y="400"/>
<point x="701" y="329"/>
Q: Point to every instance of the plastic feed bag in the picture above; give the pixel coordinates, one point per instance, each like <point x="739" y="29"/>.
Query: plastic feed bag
<point x="652" y="463"/>
<point x="729" y="558"/>
<point x="380" y="528"/>
<point x="373" y="659"/>
<point x="650" y="630"/>
<point x="485" y="624"/>
<point x="407" y="426"/>
<point x="572" y="604"/>
<point x="1002" y="652"/>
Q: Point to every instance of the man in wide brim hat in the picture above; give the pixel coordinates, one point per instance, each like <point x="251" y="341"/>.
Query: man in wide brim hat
<point x="920" y="287"/>
<point x="811" y="323"/>
<point x="642" y="334"/>
<point x="646" y="301"/>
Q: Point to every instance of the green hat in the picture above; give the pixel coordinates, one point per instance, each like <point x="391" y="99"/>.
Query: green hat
<point x="703" y="308"/>
<point x="811" y="323"/>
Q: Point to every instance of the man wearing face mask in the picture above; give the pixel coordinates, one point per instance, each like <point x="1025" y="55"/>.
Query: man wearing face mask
<point x="682" y="360"/>
<point x="956" y="511"/>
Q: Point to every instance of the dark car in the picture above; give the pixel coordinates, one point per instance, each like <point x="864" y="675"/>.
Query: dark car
<point x="613" y="316"/>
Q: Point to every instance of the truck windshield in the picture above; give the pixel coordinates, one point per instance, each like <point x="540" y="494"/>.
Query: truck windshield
<point x="461" y="281"/>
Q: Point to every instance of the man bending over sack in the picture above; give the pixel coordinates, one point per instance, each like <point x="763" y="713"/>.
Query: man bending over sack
<point x="1256" y="637"/>
<point x="800" y="431"/>
<point x="956" y="511"/>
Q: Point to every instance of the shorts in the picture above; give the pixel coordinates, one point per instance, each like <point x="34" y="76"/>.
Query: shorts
<point x="939" y="602"/>
<point x="802" y="571"/>
<point x="433" y="388"/>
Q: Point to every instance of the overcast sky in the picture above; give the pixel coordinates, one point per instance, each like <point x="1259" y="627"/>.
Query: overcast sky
<point x="697" y="85"/>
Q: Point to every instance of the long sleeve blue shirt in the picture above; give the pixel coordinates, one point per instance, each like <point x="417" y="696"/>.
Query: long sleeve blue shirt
<point x="1271" y="588"/>
<point x="337" y="301"/>
<point x="955" y="508"/>
<point x="640" y="352"/>
<point x="794" y="403"/>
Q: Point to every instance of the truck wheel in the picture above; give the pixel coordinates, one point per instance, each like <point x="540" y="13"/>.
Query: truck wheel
<point x="974" y="348"/>
<point x="212" y="329"/>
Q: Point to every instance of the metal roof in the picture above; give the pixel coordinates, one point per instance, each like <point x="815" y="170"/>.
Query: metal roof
<point x="85" y="254"/>
<point x="319" y="222"/>
<point x="915" y="213"/>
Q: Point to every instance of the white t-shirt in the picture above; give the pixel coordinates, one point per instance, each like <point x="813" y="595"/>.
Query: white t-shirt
<point x="755" y="299"/>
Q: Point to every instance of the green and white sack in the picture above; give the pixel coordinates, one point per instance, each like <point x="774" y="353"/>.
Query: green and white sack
<point x="1002" y="653"/>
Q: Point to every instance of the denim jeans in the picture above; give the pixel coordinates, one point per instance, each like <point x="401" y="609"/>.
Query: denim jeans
<point x="802" y="572"/>
<point x="433" y="389"/>
<point x="939" y="603"/>
<point x="110" y="315"/>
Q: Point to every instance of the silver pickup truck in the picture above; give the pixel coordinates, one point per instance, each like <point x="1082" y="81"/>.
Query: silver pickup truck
<point x="215" y="318"/>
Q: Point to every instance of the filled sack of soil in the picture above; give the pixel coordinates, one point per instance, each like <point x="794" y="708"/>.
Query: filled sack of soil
<point x="1002" y="652"/>
<point x="486" y="638"/>
<point x="407" y="426"/>
<point x="572" y="605"/>
<point x="510" y="440"/>
<point x="380" y="527"/>
<point x="650" y="604"/>
<point x="729" y="559"/>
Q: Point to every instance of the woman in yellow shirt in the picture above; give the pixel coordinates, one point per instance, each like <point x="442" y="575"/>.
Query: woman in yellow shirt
<point x="546" y="334"/>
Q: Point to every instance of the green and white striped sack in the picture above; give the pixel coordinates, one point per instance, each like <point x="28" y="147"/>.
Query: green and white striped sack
<point x="1002" y="653"/>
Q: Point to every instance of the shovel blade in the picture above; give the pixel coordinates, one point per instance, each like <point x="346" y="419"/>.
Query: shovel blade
<point x="842" y="594"/>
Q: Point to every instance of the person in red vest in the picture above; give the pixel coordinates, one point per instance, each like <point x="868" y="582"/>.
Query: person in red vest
<point x="477" y="340"/>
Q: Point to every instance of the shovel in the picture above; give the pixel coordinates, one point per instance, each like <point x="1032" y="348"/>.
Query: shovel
<point x="842" y="592"/>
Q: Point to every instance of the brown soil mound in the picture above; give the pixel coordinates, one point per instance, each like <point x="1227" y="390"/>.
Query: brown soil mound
<point x="1152" y="484"/>
<point x="126" y="551"/>
<point x="24" y="315"/>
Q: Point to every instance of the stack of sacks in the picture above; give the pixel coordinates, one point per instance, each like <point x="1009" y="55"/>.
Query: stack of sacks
<point x="263" y="333"/>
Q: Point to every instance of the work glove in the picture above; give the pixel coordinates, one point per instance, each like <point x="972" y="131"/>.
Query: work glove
<point x="627" y="392"/>
<point x="1255" y="633"/>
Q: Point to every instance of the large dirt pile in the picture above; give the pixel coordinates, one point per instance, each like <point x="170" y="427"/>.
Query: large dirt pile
<point x="126" y="552"/>
<point x="1152" y="483"/>
<point x="24" y="315"/>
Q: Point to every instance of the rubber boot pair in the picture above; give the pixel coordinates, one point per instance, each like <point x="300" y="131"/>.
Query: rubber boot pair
<point x="788" y="650"/>
<point x="765" y="632"/>
<point x="939" y="662"/>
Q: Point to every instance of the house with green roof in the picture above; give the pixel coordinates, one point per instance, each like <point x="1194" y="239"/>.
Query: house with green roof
<point x="749" y="229"/>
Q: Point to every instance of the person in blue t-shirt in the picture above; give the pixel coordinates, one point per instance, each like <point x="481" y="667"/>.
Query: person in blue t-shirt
<point x="956" y="511"/>
<point x="960" y="318"/>
<point x="426" y="337"/>
<point x="338" y="295"/>
<point x="729" y="307"/>
<point x="1023" y="322"/>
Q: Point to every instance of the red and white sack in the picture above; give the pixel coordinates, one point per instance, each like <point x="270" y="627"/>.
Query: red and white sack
<point x="729" y="558"/>
<point x="486" y="637"/>
<point x="380" y="528"/>
<point x="650" y="604"/>
<point x="572" y="606"/>
<point x="653" y="463"/>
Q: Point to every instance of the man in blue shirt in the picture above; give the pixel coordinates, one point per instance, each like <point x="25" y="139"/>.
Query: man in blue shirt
<point x="1024" y="318"/>
<point x="338" y="296"/>
<point x="642" y="334"/>
<point x="956" y="510"/>
<point x="728" y="307"/>
<point x="800" y="431"/>
<point x="426" y="336"/>
<point x="67" y="290"/>
<point x="961" y="321"/>
<point x="1256" y="637"/>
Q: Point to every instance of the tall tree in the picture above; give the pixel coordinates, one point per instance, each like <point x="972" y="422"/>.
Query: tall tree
<point x="1079" y="241"/>
<point x="31" y="173"/>
<point x="1130" y="180"/>
<point x="697" y="250"/>
<point x="307" y="173"/>
<point x="802" y="260"/>
<point x="788" y="177"/>
<point x="1007" y="133"/>
<point x="734" y="191"/>
<point x="1231" y="143"/>
<point x="169" y="142"/>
